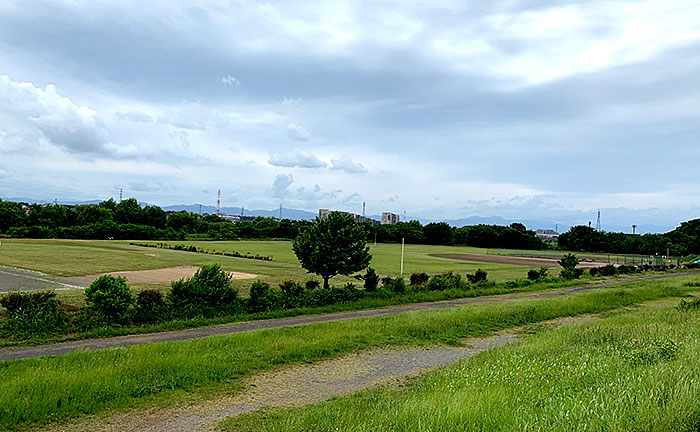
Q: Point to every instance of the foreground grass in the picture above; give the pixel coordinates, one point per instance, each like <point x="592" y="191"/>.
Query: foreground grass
<point x="634" y="371"/>
<point x="43" y="390"/>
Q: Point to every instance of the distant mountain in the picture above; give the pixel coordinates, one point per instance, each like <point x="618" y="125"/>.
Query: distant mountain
<point x="293" y="214"/>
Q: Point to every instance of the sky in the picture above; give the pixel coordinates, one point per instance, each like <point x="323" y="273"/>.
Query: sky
<point x="522" y="109"/>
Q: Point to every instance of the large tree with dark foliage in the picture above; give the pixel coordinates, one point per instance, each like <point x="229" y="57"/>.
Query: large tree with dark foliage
<point x="332" y="246"/>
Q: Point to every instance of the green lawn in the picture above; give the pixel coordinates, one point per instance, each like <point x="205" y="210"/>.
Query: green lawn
<point x="634" y="371"/>
<point x="39" y="391"/>
<point x="85" y="257"/>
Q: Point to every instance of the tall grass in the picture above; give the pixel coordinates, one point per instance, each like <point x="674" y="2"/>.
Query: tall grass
<point x="635" y="371"/>
<point x="39" y="391"/>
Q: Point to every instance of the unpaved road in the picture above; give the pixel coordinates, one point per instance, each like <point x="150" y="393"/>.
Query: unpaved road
<point x="302" y="384"/>
<point x="513" y="260"/>
<point x="7" y="354"/>
<point x="167" y="274"/>
<point x="292" y="386"/>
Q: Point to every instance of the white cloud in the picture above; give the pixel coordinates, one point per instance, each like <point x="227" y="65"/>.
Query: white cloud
<point x="280" y="186"/>
<point x="297" y="133"/>
<point x="345" y="163"/>
<point x="230" y="80"/>
<point x="44" y="113"/>
<point x="296" y="158"/>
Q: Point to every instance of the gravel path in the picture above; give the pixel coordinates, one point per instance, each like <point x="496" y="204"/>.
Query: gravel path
<point x="7" y="354"/>
<point x="292" y="386"/>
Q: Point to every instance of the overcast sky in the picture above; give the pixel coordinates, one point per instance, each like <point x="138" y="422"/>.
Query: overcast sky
<point x="445" y="109"/>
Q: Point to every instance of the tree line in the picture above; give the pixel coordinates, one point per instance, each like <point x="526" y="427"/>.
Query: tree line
<point x="682" y="241"/>
<point x="129" y="220"/>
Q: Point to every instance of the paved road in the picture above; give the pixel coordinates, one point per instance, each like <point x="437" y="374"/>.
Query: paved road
<point x="14" y="279"/>
<point x="7" y="354"/>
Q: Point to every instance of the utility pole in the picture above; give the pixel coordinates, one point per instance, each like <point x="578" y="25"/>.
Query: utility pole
<point x="121" y="193"/>
<point x="402" y="248"/>
<point x="280" y="212"/>
<point x="597" y="224"/>
<point x="200" y="209"/>
<point x="218" y="203"/>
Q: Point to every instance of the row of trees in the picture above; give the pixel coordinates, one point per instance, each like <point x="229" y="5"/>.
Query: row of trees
<point x="684" y="240"/>
<point x="128" y="220"/>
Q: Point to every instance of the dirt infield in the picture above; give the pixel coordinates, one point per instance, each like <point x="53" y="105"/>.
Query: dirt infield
<point x="513" y="260"/>
<point x="158" y="275"/>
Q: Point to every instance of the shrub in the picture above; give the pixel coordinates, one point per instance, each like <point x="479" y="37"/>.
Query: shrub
<point x="109" y="295"/>
<point x="208" y="292"/>
<point x="608" y="270"/>
<point x="387" y="280"/>
<point x="150" y="306"/>
<point x="594" y="271"/>
<point x="312" y="284"/>
<point x="533" y="275"/>
<point x="32" y="314"/>
<point x="438" y="283"/>
<point x="478" y="276"/>
<point x="262" y="298"/>
<point x="331" y="296"/>
<point x="398" y="285"/>
<point x="291" y="294"/>
<point x="371" y="280"/>
<point x="569" y="273"/>
<point x="568" y="261"/>
<point x="626" y="269"/>
<point x="419" y="278"/>
<point x="688" y="306"/>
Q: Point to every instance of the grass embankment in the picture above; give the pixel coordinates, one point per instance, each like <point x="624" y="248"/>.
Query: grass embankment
<point x="417" y="295"/>
<point x="634" y="371"/>
<point x="43" y="390"/>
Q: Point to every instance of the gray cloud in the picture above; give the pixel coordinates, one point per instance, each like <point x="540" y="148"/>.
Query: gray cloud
<point x="280" y="186"/>
<point x="296" y="158"/>
<point x="298" y="133"/>
<point x="345" y="163"/>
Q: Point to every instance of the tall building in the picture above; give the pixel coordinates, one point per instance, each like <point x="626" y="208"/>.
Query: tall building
<point x="389" y="218"/>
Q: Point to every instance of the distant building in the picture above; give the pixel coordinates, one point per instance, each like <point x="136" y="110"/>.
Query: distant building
<point x="389" y="218"/>
<point x="323" y="213"/>
<point x="230" y="218"/>
<point x="547" y="234"/>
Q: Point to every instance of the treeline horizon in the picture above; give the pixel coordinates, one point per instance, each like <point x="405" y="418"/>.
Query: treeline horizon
<point x="128" y="220"/>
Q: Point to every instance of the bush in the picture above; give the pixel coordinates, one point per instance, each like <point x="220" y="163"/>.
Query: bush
<point x="208" y="292"/>
<point x="568" y="261"/>
<point x="262" y="298"/>
<point x="111" y="296"/>
<point x="594" y="271"/>
<point x="291" y="294"/>
<point x="626" y="269"/>
<point x="478" y="276"/>
<point x="608" y="270"/>
<point x="533" y="275"/>
<point x="570" y="274"/>
<point x="689" y="306"/>
<point x="326" y="297"/>
<point x="397" y="285"/>
<point x="438" y="283"/>
<point x="371" y="280"/>
<point x="150" y="306"/>
<point x="32" y="314"/>
<point x="419" y="278"/>
<point x="312" y="284"/>
<point x="538" y="274"/>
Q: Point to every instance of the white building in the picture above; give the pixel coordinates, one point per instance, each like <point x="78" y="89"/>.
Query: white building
<point x="389" y="218"/>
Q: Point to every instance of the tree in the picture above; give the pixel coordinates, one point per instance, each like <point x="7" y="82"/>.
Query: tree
<point x="331" y="246"/>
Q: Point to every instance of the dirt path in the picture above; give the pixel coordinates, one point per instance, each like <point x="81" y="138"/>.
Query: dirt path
<point x="513" y="260"/>
<point x="168" y="274"/>
<point x="7" y="354"/>
<point x="303" y="384"/>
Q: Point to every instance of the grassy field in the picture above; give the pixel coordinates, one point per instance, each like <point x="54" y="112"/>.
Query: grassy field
<point x="87" y="257"/>
<point x="634" y="371"/>
<point x="43" y="390"/>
